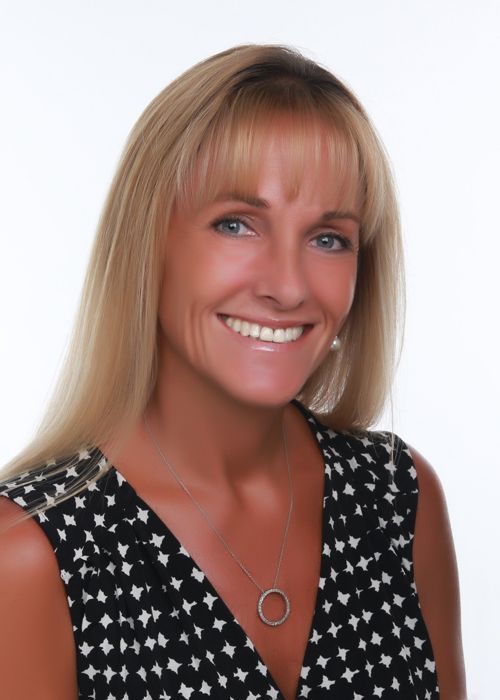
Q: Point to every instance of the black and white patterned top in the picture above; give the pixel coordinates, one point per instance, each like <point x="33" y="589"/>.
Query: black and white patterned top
<point x="148" y="624"/>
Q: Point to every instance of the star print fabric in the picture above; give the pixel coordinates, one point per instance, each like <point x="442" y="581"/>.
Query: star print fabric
<point x="148" y="625"/>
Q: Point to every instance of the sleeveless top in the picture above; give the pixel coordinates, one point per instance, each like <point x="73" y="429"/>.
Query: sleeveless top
<point x="148" y="624"/>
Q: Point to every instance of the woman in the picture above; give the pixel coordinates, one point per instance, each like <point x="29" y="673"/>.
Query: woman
<point x="197" y="529"/>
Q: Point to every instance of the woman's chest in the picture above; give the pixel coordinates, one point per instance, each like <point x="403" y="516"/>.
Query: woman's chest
<point x="354" y="625"/>
<point x="365" y="635"/>
<point x="172" y="622"/>
<point x="248" y="562"/>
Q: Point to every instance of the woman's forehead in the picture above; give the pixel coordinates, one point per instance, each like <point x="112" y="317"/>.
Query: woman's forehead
<point x="305" y="157"/>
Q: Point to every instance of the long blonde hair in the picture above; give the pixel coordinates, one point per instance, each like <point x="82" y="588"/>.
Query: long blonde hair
<point x="203" y="129"/>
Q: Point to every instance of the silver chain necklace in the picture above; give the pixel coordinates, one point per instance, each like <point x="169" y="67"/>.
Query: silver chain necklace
<point x="264" y="592"/>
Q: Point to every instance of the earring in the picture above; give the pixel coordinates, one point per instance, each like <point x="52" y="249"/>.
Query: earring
<point x="336" y="343"/>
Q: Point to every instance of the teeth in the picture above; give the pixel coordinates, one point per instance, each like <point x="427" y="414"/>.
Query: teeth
<point x="264" y="333"/>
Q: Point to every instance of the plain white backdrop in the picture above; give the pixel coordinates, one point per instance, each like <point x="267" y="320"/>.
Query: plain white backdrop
<point x="76" y="75"/>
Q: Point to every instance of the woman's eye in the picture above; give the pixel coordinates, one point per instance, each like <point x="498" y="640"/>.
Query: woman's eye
<point x="332" y="241"/>
<point x="231" y="226"/>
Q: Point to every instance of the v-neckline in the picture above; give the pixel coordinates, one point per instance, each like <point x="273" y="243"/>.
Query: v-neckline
<point x="162" y="529"/>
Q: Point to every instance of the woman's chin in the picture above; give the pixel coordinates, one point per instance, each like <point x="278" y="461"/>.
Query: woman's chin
<point x="265" y="396"/>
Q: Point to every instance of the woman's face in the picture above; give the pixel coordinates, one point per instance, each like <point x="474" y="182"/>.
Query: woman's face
<point x="285" y="266"/>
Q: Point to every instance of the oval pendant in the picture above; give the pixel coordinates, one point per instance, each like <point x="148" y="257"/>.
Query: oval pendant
<point x="282" y="594"/>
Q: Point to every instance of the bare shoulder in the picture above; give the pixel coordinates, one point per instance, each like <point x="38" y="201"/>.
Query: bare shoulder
<point x="37" y="654"/>
<point x="436" y="579"/>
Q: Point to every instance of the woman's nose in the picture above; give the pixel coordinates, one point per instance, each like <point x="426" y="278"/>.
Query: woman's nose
<point x="281" y="277"/>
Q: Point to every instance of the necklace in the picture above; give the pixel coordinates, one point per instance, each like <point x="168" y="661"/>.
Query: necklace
<point x="264" y="593"/>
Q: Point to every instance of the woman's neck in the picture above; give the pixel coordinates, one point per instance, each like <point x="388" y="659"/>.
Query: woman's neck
<point x="214" y="436"/>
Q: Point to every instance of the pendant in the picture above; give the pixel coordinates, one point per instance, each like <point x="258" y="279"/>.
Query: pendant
<point x="281" y="620"/>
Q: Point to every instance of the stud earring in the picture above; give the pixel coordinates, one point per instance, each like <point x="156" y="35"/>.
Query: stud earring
<point x="336" y="343"/>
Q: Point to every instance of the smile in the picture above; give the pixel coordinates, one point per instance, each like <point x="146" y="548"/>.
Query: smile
<point x="263" y="333"/>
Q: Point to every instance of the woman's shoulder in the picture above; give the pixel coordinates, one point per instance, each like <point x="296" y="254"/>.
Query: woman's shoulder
<point x="379" y="459"/>
<point x="29" y="497"/>
<point x="33" y="609"/>
<point x="394" y="466"/>
<point x="46" y="509"/>
<point x="49" y="484"/>
<point x="26" y="556"/>
<point x="42" y="522"/>
<point x="412" y="510"/>
<point x="374" y="474"/>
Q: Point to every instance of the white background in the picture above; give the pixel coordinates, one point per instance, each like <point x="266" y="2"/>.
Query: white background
<point x="75" y="77"/>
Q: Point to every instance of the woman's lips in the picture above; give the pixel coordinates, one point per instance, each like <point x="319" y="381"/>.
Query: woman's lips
<point x="270" y="333"/>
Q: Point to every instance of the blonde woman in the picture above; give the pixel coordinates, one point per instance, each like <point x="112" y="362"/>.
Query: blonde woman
<point x="204" y="511"/>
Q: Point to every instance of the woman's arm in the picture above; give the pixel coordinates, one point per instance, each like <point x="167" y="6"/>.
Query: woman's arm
<point x="37" y="649"/>
<point x="436" y="578"/>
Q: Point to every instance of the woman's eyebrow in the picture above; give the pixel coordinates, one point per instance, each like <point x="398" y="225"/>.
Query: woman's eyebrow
<point x="264" y="204"/>
<point x="240" y="197"/>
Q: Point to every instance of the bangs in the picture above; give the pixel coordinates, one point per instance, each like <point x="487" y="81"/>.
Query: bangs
<point x="229" y="157"/>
